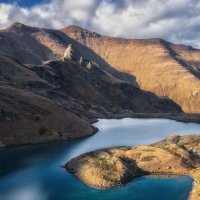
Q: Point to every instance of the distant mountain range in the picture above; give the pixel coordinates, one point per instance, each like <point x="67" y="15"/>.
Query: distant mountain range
<point x="54" y="83"/>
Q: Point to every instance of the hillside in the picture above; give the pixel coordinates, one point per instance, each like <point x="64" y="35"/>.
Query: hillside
<point x="159" y="66"/>
<point x="57" y="100"/>
<point x="32" y="45"/>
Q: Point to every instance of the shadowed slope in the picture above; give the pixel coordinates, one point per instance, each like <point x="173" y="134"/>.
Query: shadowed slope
<point x="31" y="45"/>
<point x="57" y="99"/>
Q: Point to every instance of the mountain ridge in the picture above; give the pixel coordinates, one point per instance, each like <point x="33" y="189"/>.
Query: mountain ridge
<point x="159" y="66"/>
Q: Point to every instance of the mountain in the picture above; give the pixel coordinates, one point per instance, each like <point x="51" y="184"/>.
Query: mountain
<point x="26" y="116"/>
<point x="58" y="100"/>
<point x="52" y="88"/>
<point x="31" y="45"/>
<point x="161" y="67"/>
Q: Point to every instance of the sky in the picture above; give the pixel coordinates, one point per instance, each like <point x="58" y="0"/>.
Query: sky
<point x="177" y="21"/>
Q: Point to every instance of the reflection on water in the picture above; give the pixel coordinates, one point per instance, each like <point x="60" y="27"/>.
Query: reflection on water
<point x="34" y="173"/>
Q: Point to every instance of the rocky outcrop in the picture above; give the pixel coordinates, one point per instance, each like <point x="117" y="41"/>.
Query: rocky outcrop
<point x="161" y="67"/>
<point x="116" y="166"/>
<point x="69" y="54"/>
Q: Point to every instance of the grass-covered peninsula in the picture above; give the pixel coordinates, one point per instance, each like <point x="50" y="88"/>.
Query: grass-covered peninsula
<point x="176" y="155"/>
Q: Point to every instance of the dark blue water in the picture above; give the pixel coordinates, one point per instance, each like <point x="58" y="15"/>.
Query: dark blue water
<point x="34" y="172"/>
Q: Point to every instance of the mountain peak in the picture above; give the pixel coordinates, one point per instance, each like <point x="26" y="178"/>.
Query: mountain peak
<point x="20" y="28"/>
<point x="79" y="31"/>
<point x="16" y="25"/>
<point x="76" y="28"/>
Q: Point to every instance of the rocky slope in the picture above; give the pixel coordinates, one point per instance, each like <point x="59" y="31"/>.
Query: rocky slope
<point x="115" y="166"/>
<point x="52" y="88"/>
<point x="57" y="100"/>
<point x="32" y="45"/>
<point x="159" y="66"/>
<point x="27" y="115"/>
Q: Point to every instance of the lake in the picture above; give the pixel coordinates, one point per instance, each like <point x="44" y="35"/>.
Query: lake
<point x="35" y="172"/>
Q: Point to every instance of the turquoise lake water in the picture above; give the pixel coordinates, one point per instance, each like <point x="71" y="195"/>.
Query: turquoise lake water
<point x="35" y="172"/>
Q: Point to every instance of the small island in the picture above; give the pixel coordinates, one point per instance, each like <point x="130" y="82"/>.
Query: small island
<point x="112" y="167"/>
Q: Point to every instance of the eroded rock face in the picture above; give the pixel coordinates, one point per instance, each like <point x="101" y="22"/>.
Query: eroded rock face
<point x="159" y="66"/>
<point x="73" y="55"/>
<point x="112" y="167"/>
<point x="68" y="53"/>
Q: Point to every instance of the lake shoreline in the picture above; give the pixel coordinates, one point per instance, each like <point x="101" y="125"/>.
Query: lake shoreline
<point x="45" y="162"/>
<point x="180" y="117"/>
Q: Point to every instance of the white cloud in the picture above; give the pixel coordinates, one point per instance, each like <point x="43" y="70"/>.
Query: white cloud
<point x="174" y="20"/>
